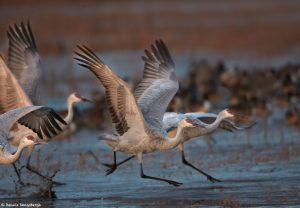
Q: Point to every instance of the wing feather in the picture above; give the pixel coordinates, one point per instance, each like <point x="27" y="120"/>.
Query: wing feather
<point x="11" y="93"/>
<point x="32" y="117"/>
<point x="38" y="121"/>
<point x="23" y="58"/>
<point x="121" y="103"/>
<point x="158" y="86"/>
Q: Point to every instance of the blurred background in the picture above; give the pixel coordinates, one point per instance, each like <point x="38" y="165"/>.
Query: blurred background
<point x="228" y="53"/>
<point x="228" y="29"/>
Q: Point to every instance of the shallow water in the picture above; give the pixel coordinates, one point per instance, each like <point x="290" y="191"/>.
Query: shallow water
<point x="257" y="168"/>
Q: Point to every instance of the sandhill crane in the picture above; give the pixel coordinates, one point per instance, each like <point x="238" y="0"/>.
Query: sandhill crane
<point x="171" y="120"/>
<point x="25" y="63"/>
<point x="38" y="118"/>
<point x="200" y="130"/>
<point x="137" y="133"/>
<point x="13" y="96"/>
<point x="153" y="95"/>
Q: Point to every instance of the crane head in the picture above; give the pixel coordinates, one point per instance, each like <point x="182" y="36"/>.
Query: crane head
<point x="28" y="140"/>
<point x="76" y="98"/>
<point x="227" y="113"/>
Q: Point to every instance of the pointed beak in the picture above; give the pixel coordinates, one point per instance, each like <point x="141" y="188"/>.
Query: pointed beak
<point x="240" y="115"/>
<point x="41" y="142"/>
<point x="250" y="125"/>
<point x="230" y="111"/>
<point x="196" y="123"/>
<point x="234" y="114"/>
<point x="86" y="100"/>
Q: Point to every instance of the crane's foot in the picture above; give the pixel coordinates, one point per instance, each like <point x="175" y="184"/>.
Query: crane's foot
<point x="174" y="183"/>
<point x="48" y="178"/>
<point x="21" y="182"/>
<point x="108" y="165"/>
<point x="212" y="179"/>
<point x="209" y="177"/>
<point x="111" y="168"/>
<point x="55" y="182"/>
<point x="18" y="174"/>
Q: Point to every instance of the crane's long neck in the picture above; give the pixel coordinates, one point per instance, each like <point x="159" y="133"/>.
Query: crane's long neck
<point x="12" y="158"/>
<point x="70" y="114"/>
<point x="203" y="130"/>
<point x="170" y="143"/>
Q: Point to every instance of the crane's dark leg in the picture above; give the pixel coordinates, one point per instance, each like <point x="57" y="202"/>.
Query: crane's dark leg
<point x="94" y="156"/>
<point x="35" y="171"/>
<point x="113" y="167"/>
<point x="209" y="177"/>
<point x="49" y="178"/>
<point x="174" y="183"/>
<point x="18" y="174"/>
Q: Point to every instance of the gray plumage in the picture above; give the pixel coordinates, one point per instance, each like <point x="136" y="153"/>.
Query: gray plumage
<point x="9" y="118"/>
<point x="171" y="120"/>
<point x="158" y="86"/>
<point x="136" y="136"/>
<point x="31" y="116"/>
<point x="43" y="121"/>
<point x="24" y="59"/>
<point x="9" y="154"/>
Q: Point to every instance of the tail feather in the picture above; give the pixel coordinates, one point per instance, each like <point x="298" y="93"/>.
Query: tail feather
<point x="111" y="139"/>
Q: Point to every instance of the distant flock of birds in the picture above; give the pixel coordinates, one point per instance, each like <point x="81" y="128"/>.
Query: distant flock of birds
<point x="141" y="121"/>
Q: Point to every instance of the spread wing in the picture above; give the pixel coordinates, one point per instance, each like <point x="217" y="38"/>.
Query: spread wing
<point x="158" y="86"/>
<point x="11" y="93"/>
<point x="23" y="58"/>
<point x="39" y="119"/>
<point x="43" y="121"/>
<point x="121" y="102"/>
